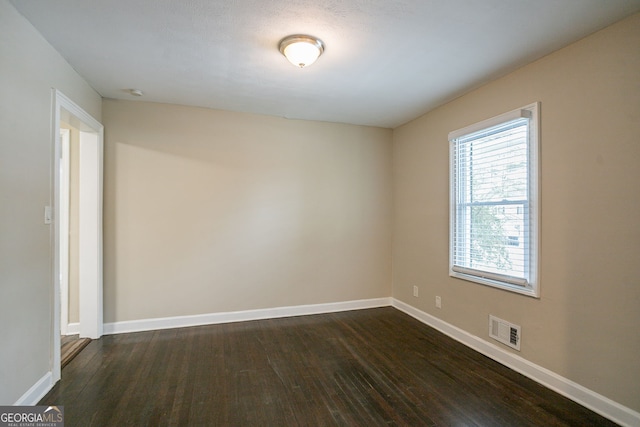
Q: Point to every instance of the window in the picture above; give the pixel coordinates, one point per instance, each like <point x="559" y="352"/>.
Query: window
<point x="494" y="201"/>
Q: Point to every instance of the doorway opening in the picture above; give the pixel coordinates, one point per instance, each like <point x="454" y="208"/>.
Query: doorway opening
<point x="68" y="216"/>
<point x="87" y="257"/>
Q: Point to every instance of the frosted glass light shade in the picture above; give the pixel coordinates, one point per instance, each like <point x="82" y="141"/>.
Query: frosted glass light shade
<point x="300" y="50"/>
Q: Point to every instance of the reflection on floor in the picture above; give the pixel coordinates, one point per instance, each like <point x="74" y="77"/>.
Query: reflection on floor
<point x="375" y="367"/>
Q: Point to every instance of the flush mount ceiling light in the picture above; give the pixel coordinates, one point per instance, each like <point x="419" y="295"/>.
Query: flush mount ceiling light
<point x="301" y="50"/>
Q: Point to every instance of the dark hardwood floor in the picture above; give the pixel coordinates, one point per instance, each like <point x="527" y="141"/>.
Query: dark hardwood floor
<point x="373" y="367"/>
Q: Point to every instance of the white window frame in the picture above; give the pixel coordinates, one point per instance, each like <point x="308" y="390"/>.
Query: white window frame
<point x="528" y="286"/>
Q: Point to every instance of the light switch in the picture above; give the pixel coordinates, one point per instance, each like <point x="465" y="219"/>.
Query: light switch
<point x="47" y="214"/>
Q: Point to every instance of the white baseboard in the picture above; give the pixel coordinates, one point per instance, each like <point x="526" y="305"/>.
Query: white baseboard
<point x="574" y="391"/>
<point x="240" y="316"/>
<point x="582" y="395"/>
<point x="37" y="391"/>
<point x="42" y="387"/>
<point x="73" y="329"/>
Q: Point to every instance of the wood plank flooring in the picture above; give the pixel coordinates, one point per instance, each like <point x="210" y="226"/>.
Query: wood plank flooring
<point x="70" y="346"/>
<point x="375" y="367"/>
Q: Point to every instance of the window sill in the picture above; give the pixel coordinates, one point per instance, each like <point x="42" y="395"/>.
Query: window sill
<point x="529" y="290"/>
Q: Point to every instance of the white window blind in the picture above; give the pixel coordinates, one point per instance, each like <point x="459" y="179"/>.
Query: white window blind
<point x="493" y="219"/>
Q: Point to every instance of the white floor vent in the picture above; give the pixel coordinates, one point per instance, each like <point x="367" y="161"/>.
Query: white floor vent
<point x="505" y="332"/>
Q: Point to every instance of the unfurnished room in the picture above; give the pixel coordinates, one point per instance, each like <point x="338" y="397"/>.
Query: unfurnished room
<point x="349" y="213"/>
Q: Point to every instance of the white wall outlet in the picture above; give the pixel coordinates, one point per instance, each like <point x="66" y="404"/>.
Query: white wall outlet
<point x="438" y="302"/>
<point x="415" y="291"/>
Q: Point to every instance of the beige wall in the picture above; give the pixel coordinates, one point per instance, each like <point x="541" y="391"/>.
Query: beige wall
<point x="73" y="293"/>
<point x="29" y="68"/>
<point x="585" y="325"/>
<point x="210" y="211"/>
<point x="74" y="225"/>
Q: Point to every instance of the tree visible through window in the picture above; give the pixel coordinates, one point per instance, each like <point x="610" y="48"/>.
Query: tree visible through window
<point x="493" y="191"/>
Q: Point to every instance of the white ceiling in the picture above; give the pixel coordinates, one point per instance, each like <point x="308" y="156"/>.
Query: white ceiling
<point x="386" y="61"/>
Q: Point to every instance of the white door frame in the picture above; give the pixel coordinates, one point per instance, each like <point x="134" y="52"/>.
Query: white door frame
<point x="90" y="218"/>
<point x="63" y="223"/>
